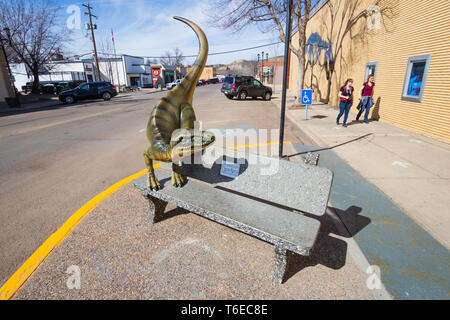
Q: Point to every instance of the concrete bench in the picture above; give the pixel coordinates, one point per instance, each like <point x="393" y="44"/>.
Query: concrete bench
<point x="265" y="200"/>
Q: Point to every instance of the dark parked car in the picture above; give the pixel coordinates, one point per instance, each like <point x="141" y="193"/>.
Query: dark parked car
<point x="52" y="86"/>
<point x="245" y="86"/>
<point x="29" y="86"/>
<point x="213" y="80"/>
<point x="91" y="90"/>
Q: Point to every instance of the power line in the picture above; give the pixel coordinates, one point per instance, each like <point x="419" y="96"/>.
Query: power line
<point x="218" y="53"/>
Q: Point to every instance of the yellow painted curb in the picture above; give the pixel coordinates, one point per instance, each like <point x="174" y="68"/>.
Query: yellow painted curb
<point x="24" y="272"/>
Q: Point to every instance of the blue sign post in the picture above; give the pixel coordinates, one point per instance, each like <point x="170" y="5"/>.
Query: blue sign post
<point x="306" y="100"/>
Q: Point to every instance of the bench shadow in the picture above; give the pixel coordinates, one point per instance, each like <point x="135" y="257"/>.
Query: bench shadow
<point x="177" y="211"/>
<point x="351" y="220"/>
<point x="328" y="251"/>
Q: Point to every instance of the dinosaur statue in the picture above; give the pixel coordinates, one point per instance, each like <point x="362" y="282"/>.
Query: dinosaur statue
<point x="170" y="129"/>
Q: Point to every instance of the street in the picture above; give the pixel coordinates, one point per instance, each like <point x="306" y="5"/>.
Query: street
<point x="54" y="161"/>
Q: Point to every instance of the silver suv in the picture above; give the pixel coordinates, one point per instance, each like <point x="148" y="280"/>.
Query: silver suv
<point x="170" y="85"/>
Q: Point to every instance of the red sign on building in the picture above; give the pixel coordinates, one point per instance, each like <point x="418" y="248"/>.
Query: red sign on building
<point x="155" y="74"/>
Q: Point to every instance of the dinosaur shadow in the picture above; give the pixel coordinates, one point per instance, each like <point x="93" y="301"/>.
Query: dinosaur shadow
<point x="213" y="175"/>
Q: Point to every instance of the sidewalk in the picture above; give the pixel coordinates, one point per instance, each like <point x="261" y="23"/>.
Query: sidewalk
<point x="390" y="190"/>
<point x="411" y="169"/>
<point x="32" y="105"/>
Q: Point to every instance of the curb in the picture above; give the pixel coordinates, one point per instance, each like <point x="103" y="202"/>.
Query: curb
<point x="21" y="109"/>
<point x="15" y="282"/>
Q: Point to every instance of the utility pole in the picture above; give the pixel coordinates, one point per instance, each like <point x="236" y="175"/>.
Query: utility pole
<point x="93" y="39"/>
<point x="287" y="39"/>
<point x="115" y="57"/>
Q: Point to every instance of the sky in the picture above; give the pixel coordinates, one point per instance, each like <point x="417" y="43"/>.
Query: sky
<point x="146" y="28"/>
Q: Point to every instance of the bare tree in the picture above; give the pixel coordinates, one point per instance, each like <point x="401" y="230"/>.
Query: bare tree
<point x="107" y="52"/>
<point x="176" y="59"/>
<point x="33" y="33"/>
<point x="269" y="15"/>
<point x="344" y="21"/>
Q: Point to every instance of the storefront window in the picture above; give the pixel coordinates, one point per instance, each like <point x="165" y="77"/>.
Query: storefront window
<point x="416" y="74"/>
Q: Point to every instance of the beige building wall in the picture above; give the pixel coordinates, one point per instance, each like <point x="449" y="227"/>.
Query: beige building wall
<point x="6" y="89"/>
<point x="407" y="28"/>
<point x="208" y="73"/>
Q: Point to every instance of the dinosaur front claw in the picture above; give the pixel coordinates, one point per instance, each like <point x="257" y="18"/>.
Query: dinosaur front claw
<point x="152" y="182"/>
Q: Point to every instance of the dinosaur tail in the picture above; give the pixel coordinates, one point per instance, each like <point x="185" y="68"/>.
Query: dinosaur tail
<point x="190" y="80"/>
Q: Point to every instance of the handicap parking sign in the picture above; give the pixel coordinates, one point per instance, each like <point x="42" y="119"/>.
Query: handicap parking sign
<point x="306" y="96"/>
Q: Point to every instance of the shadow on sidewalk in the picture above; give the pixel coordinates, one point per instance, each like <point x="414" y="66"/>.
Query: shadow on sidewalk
<point x="329" y="251"/>
<point x="328" y="148"/>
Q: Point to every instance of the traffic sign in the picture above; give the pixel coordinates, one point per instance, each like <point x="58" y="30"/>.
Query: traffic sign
<point x="306" y="100"/>
<point x="306" y="96"/>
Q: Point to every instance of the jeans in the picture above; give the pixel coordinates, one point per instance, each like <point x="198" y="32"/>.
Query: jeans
<point x="344" y="107"/>
<point x="366" y="104"/>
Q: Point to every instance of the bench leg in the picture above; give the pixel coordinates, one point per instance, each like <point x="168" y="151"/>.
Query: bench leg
<point x="279" y="268"/>
<point x="312" y="158"/>
<point x="157" y="208"/>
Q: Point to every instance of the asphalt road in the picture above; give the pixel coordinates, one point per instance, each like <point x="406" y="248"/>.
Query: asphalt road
<point x="54" y="161"/>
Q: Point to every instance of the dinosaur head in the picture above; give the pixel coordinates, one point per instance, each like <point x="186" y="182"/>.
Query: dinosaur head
<point x="189" y="144"/>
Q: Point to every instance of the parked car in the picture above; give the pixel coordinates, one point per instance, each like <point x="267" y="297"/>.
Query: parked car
<point x="29" y="86"/>
<point x="243" y="87"/>
<point x="213" y="80"/>
<point x="199" y="83"/>
<point x="204" y="82"/>
<point x="52" y="86"/>
<point x="90" y="90"/>
<point x="48" y="88"/>
<point x="172" y="84"/>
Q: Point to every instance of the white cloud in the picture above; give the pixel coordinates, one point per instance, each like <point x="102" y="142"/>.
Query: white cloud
<point x="146" y="28"/>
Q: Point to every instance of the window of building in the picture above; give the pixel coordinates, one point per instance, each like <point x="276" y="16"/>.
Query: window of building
<point x="371" y="68"/>
<point x="416" y="74"/>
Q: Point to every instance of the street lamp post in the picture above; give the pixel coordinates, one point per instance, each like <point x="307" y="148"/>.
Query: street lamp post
<point x="285" y="70"/>
<point x="259" y="70"/>
<point x="7" y="63"/>
<point x="262" y="67"/>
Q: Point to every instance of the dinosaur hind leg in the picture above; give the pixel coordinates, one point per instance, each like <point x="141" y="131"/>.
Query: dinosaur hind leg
<point x="152" y="182"/>
<point x="178" y="179"/>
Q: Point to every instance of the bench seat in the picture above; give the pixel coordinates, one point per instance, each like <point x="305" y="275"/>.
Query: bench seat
<point x="265" y="200"/>
<point x="280" y="227"/>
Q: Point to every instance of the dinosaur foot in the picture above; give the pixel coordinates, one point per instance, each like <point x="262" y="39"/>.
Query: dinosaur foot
<point x="178" y="179"/>
<point x="152" y="182"/>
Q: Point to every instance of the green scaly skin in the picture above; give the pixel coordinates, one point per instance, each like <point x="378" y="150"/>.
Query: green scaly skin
<point x="170" y="129"/>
